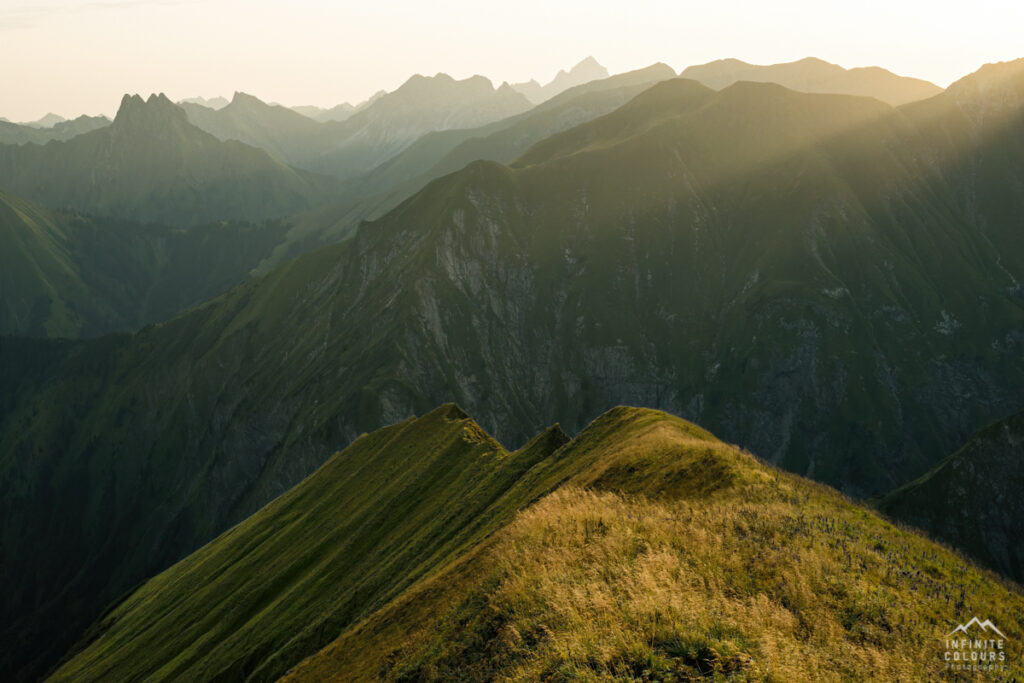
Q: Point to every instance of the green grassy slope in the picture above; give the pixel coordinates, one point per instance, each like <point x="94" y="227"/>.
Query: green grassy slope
<point x="644" y="548"/>
<point x="815" y="277"/>
<point x="390" y="508"/>
<point x="64" y="274"/>
<point x="150" y="164"/>
<point x="971" y="500"/>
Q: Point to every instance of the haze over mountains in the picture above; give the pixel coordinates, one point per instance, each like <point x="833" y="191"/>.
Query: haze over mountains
<point x="587" y="70"/>
<point x="19" y="134"/>
<point x="826" y="280"/>
<point x="152" y="165"/>
<point x="815" y="75"/>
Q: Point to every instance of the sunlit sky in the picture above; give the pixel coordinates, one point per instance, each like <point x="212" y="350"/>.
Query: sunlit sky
<point x="73" y="57"/>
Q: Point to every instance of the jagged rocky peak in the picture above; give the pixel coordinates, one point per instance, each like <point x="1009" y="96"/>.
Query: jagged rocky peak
<point x="157" y="107"/>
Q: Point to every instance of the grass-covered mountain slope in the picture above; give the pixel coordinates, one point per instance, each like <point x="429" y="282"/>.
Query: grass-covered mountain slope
<point x="392" y="507"/>
<point x="822" y="279"/>
<point x="152" y="165"/>
<point x="642" y="549"/>
<point x="815" y="75"/>
<point x="65" y="274"/>
<point x="972" y="499"/>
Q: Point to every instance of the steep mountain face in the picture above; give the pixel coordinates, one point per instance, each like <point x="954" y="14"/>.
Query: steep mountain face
<point x="971" y="500"/>
<point x="64" y="274"/>
<point x="283" y="133"/>
<point x="584" y="72"/>
<point x="642" y="549"/>
<point x="20" y="134"/>
<point x="395" y="120"/>
<point x="152" y="165"/>
<point x="822" y="279"/>
<point x="815" y="75"/>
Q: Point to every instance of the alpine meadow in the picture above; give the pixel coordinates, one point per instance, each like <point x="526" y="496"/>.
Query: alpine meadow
<point x="704" y="362"/>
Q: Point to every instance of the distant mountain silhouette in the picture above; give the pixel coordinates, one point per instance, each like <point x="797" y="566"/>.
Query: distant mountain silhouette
<point x="587" y="70"/>
<point x="20" y="134"/>
<point x="818" y="76"/>
<point x="48" y="121"/>
<point x="211" y="103"/>
<point x="151" y="164"/>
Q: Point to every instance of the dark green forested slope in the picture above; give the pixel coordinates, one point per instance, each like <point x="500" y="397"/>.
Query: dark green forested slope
<point x="65" y="274"/>
<point x="826" y="280"/>
<point x="150" y="164"/>
<point x="972" y="499"/>
<point x="643" y="549"/>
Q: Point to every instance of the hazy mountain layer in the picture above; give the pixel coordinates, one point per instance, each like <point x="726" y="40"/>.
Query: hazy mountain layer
<point x="652" y="550"/>
<point x="20" y="134"/>
<point x="395" y="120"/>
<point x="815" y="75"/>
<point x="584" y="72"/>
<point x="972" y="500"/>
<point x="211" y="103"/>
<point x="436" y="154"/>
<point x="348" y="145"/>
<point x="827" y="281"/>
<point x="285" y="134"/>
<point x="152" y="165"/>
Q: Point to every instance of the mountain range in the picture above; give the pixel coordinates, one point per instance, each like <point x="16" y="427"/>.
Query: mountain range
<point x="20" y="134"/>
<point x="353" y="144"/>
<point x="436" y="154"/>
<point x="815" y="75"/>
<point x="584" y="72"/>
<point x="826" y="280"/>
<point x="644" y="548"/>
<point x="152" y="165"/>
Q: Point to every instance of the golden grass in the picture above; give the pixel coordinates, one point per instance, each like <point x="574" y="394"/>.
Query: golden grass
<point x="767" y="577"/>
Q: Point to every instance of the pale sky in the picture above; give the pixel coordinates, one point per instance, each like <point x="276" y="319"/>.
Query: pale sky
<point x="79" y="56"/>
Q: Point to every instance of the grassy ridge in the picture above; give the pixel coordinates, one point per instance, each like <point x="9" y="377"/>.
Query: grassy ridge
<point x="645" y="548"/>
<point x="276" y="588"/>
<point x="673" y="557"/>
